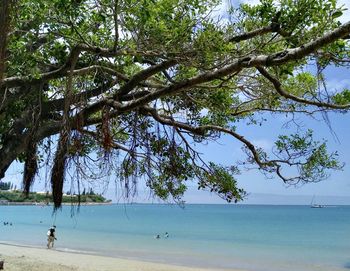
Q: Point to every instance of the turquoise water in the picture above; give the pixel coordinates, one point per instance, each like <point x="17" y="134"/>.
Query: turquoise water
<point x="258" y="238"/>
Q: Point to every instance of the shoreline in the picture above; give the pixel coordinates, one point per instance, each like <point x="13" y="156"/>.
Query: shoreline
<point x="29" y="203"/>
<point x="18" y="257"/>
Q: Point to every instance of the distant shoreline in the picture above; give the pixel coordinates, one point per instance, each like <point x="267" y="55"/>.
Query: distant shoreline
<point x="18" y="198"/>
<point x="28" y="203"/>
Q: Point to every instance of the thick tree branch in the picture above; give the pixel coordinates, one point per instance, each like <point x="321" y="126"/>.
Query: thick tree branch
<point x="246" y="62"/>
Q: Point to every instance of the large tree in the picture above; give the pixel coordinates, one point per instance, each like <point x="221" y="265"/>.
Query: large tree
<point x="134" y="86"/>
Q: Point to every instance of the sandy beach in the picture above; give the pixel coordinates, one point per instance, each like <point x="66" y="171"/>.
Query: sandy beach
<point x="18" y="258"/>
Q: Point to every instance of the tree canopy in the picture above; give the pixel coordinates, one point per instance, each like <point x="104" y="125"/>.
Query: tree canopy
<point x="129" y="88"/>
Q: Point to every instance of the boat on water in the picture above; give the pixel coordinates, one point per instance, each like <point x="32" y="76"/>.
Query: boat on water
<point x="315" y="205"/>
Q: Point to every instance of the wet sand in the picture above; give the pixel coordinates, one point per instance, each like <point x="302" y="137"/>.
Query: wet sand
<point x="18" y="258"/>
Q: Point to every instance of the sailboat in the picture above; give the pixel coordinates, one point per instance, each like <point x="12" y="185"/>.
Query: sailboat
<point x="314" y="205"/>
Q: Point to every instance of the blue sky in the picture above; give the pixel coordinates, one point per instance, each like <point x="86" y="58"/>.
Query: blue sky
<point x="334" y="190"/>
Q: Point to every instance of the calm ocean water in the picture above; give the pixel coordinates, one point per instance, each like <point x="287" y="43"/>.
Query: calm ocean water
<point x="259" y="238"/>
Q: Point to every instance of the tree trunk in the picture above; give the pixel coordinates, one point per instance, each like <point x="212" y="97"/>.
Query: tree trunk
<point x="4" y="29"/>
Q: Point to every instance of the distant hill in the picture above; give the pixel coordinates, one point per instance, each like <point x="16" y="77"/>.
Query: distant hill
<point x="33" y="197"/>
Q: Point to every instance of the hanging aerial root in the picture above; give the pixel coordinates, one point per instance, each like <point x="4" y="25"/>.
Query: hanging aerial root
<point x="30" y="167"/>
<point x="60" y="160"/>
<point x="58" y="170"/>
<point x="106" y="131"/>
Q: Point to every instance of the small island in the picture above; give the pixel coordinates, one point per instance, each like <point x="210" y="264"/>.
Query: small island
<point x="9" y="195"/>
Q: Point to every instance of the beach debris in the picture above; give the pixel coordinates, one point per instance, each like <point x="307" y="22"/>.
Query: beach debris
<point x="1" y="265"/>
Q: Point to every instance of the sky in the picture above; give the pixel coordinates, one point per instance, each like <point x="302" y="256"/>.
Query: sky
<point x="333" y="191"/>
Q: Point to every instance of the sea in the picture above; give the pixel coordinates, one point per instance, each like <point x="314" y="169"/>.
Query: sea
<point x="249" y="237"/>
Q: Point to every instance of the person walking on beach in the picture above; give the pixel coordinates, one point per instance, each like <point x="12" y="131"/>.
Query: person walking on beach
<point x="51" y="237"/>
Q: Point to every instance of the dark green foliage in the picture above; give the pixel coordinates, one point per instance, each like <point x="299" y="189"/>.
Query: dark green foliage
<point x="18" y="196"/>
<point x="311" y="157"/>
<point x="342" y="98"/>
<point x="5" y="185"/>
<point x="221" y="180"/>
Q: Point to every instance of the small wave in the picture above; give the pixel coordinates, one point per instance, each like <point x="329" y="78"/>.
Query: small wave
<point x="61" y="249"/>
<point x="7" y="243"/>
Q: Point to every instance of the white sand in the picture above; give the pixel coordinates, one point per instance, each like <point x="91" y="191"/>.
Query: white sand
<point x="19" y="258"/>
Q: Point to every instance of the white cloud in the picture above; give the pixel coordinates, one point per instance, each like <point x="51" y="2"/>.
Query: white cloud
<point x="250" y="2"/>
<point x="220" y="13"/>
<point x="336" y="85"/>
